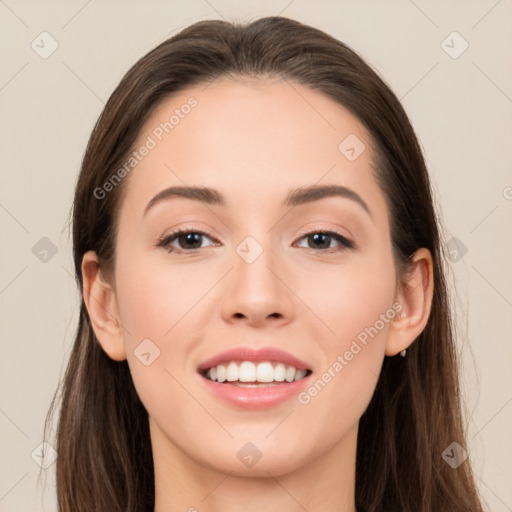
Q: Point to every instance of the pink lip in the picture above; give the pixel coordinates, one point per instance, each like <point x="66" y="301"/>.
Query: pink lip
<point x="255" y="398"/>
<point x="249" y="354"/>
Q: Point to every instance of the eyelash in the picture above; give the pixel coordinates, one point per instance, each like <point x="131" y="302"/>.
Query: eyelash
<point x="167" y="239"/>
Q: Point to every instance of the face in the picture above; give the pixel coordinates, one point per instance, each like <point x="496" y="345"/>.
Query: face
<point x="261" y="269"/>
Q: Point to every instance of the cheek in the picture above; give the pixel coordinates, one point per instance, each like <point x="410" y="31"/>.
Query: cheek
<point x="158" y="307"/>
<point x="152" y="306"/>
<point x="352" y="297"/>
<point x="152" y="298"/>
<point x="365" y="299"/>
<point x="358" y="307"/>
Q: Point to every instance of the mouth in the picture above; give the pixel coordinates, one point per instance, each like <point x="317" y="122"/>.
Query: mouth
<point x="251" y="374"/>
<point x="254" y="379"/>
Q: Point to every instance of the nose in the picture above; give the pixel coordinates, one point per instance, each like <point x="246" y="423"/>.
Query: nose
<point x="257" y="292"/>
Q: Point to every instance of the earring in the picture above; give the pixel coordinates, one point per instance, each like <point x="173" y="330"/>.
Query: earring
<point x="403" y="352"/>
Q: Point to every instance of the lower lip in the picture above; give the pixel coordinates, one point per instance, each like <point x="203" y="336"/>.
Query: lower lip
<point x="255" y="398"/>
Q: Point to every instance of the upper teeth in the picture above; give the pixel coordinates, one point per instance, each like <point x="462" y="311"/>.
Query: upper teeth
<point x="247" y="371"/>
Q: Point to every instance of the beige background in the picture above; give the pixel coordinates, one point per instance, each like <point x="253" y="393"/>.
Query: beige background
<point x="462" y="111"/>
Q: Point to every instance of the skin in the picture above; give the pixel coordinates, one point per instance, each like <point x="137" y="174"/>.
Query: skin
<point x="254" y="141"/>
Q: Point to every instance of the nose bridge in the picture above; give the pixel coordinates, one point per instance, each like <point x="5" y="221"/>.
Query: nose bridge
<point x="255" y="287"/>
<point x="253" y="261"/>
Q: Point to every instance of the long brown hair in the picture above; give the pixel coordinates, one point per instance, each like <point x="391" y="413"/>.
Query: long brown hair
<point x="104" y="459"/>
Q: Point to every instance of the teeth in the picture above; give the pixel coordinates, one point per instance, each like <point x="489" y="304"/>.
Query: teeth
<point x="232" y="372"/>
<point x="247" y="371"/>
<point x="300" y="374"/>
<point x="221" y="373"/>
<point x="279" y="372"/>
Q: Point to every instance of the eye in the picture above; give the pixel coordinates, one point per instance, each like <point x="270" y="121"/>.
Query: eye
<point x="321" y="240"/>
<point x="187" y="240"/>
<point x="190" y="241"/>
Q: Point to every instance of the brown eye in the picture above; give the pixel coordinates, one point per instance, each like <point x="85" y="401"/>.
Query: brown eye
<point x="187" y="241"/>
<point x="323" y="240"/>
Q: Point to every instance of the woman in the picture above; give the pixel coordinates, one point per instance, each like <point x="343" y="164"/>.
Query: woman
<point x="299" y="354"/>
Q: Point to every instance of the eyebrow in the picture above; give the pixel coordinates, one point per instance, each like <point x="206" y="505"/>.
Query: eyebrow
<point x="294" y="198"/>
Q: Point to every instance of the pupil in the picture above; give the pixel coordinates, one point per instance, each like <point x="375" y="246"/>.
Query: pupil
<point x="183" y="239"/>
<point x="321" y="237"/>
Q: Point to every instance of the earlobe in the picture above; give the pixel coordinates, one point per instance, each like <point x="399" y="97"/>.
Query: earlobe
<point x="415" y="298"/>
<point x="100" y="301"/>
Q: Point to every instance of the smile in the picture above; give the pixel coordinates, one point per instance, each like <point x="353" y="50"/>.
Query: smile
<point x="248" y="373"/>
<point x="254" y="379"/>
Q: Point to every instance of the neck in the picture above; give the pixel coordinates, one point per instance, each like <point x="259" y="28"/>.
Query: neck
<point x="183" y="484"/>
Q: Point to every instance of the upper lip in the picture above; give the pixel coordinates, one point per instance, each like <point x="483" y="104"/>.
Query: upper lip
<point x="255" y="355"/>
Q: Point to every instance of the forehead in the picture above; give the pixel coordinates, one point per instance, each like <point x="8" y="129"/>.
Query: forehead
<point x="253" y="138"/>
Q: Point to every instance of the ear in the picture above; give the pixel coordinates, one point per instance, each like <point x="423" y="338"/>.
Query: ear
<point x="100" y="301"/>
<point x="415" y="297"/>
